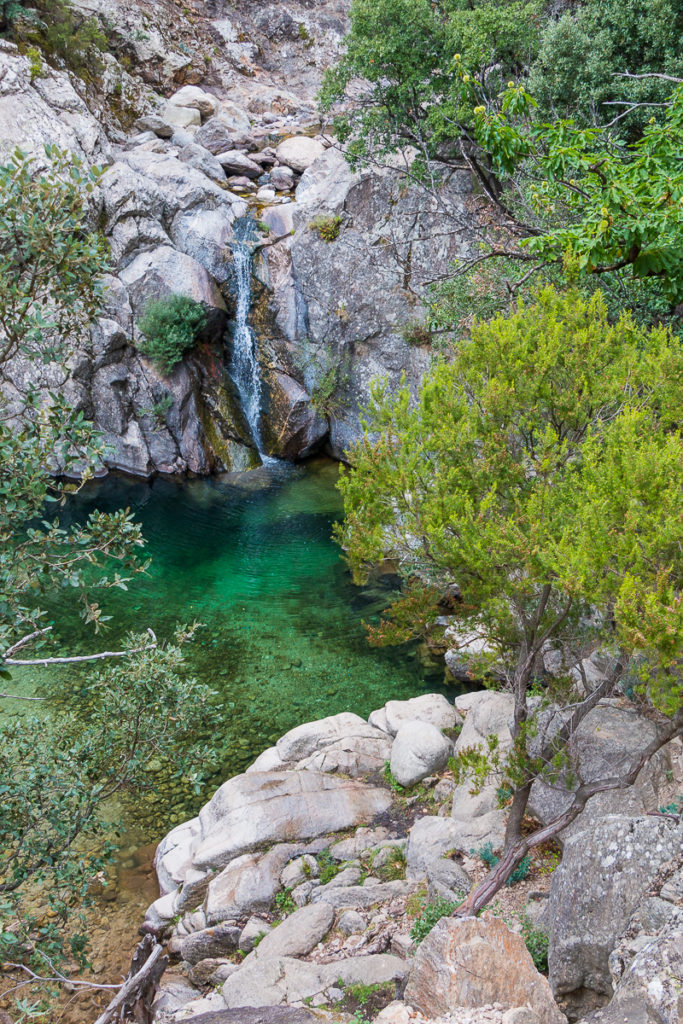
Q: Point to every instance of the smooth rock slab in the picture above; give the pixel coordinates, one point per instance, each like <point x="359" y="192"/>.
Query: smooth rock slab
<point x="419" y="750"/>
<point x="298" y="934"/>
<point x="254" y="810"/>
<point x="286" y="980"/>
<point x="247" y="885"/>
<point x="473" y="962"/>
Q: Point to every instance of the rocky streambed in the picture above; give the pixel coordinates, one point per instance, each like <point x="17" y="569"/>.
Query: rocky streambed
<point x="306" y="887"/>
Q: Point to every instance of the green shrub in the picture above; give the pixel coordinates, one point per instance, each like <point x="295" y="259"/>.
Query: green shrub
<point x="536" y="942"/>
<point x="486" y="854"/>
<point x="170" y="328"/>
<point x="284" y="902"/>
<point x="431" y="915"/>
<point x="394" y="868"/>
<point x="389" y="778"/>
<point x="37" y="68"/>
<point x="327" y="227"/>
<point x="417" y="334"/>
<point x="328" y="867"/>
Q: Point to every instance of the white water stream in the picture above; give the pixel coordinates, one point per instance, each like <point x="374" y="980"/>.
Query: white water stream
<point x="245" y="365"/>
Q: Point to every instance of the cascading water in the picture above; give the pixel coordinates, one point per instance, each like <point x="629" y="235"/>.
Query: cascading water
<point x="246" y="371"/>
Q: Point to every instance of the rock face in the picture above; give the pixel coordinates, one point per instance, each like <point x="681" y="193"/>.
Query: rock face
<point x="611" y="737"/>
<point x="472" y="962"/>
<point x="604" y="875"/>
<point x="419" y="750"/>
<point x="651" y="988"/>
<point x="329" y="314"/>
<point x="253" y="810"/>
<point x="478" y="817"/>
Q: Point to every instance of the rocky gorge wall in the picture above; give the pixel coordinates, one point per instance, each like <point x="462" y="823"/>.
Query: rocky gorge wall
<point x="181" y="165"/>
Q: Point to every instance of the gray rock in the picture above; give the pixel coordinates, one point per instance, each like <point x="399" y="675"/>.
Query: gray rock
<point x="282" y="178"/>
<point x="349" y="876"/>
<point x="253" y="810"/>
<point x="234" y="161"/>
<point x="429" y="840"/>
<point x="298" y="934"/>
<point x="173" y="994"/>
<point x="286" y="980"/>
<point x="299" y="152"/>
<point x="302" y="869"/>
<point x="203" y="971"/>
<point x="211" y="943"/>
<point x="351" y="923"/>
<point x="182" y="117"/>
<point x="418" y="750"/>
<point x="650" y="991"/>
<point x="478" y="817"/>
<point x="362" y="897"/>
<point x="156" y="124"/>
<point x="603" y="876"/>
<point x="608" y="742"/>
<point x="197" y="156"/>
<point x="255" y="928"/>
<point x="257" y="1015"/>
<point x="363" y="840"/>
<point x="306" y="739"/>
<point x="216" y="135"/>
<point x="433" y="708"/>
<point x="247" y="885"/>
<point x="194" y="97"/>
<point x="165" y="271"/>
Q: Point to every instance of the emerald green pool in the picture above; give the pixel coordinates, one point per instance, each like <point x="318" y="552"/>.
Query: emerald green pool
<point x="251" y="557"/>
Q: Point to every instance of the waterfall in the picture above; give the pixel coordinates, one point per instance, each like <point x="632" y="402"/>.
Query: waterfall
<point x="246" y="371"/>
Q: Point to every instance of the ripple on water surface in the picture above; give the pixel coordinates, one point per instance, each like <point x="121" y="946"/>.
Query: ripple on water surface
<point x="251" y="557"/>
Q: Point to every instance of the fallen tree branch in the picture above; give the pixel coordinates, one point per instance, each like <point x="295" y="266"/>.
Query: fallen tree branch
<point x="152" y="966"/>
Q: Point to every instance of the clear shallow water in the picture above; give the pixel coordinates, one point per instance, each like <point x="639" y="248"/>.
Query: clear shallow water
<point x="251" y="557"/>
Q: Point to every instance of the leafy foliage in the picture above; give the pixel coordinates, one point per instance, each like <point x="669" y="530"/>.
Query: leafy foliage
<point x="430" y="915"/>
<point x="170" y="327"/>
<point x="329" y="867"/>
<point x="536" y="941"/>
<point x="486" y="854"/>
<point x="58" y="30"/>
<point x="607" y="207"/>
<point x="99" y="736"/>
<point x="540" y="469"/>
<point x="328" y="227"/>
<point x="57" y="772"/>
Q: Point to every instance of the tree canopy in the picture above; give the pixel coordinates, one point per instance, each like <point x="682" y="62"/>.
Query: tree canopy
<point x="92" y="736"/>
<point x="540" y="472"/>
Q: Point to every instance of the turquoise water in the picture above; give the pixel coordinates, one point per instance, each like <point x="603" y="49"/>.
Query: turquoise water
<point x="251" y="557"/>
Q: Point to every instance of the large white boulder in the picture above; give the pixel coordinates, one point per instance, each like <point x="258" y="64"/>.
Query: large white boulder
<point x="299" y="152"/>
<point x="197" y="99"/>
<point x="419" y="750"/>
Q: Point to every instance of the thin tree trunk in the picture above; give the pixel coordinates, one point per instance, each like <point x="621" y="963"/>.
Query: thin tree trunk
<point x="517" y="846"/>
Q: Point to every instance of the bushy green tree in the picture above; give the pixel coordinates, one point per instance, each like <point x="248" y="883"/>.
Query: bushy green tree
<point x="541" y="472"/>
<point x="90" y="741"/>
<point x="170" y="328"/>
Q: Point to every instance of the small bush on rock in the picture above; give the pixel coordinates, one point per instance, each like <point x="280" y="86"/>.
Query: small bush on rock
<point x="170" y="328"/>
<point x="328" y="867"/>
<point x="431" y="915"/>
<point x="536" y="942"/>
<point x="327" y="227"/>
